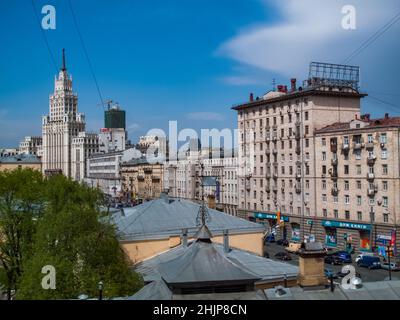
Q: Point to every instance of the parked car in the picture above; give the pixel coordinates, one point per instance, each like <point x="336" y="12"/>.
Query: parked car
<point x="369" y="262"/>
<point x="270" y="238"/>
<point x="283" y="256"/>
<point x="393" y="266"/>
<point x="332" y="259"/>
<point x="293" y="247"/>
<point x="329" y="273"/>
<point x="282" y="242"/>
<point x="344" y="256"/>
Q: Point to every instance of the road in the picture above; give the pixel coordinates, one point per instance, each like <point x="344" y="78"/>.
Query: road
<point x="366" y="274"/>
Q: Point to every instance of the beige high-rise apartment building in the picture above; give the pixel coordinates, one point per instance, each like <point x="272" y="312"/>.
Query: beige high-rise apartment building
<point x="30" y="145"/>
<point x="277" y="157"/>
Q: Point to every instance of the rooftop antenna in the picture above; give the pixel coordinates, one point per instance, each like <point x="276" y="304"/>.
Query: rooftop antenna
<point x="104" y="103"/>
<point x="274" y="84"/>
<point x="203" y="216"/>
<point x="63" y="68"/>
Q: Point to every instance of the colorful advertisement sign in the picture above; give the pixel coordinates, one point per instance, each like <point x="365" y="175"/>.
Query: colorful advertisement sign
<point x="346" y="225"/>
<point x="273" y="216"/>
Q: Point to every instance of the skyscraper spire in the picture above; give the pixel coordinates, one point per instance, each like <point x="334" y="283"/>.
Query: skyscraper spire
<point x="63" y="60"/>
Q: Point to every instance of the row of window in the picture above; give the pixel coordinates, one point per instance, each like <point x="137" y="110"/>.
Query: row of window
<point x="346" y="199"/>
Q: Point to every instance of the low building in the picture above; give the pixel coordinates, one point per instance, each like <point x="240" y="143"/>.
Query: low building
<point x="8" y="152"/>
<point x="30" y="145"/>
<point x="141" y="180"/>
<point x="155" y="226"/>
<point x="22" y="161"/>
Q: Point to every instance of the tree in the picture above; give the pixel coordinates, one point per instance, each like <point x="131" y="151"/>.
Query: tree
<point x="21" y="202"/>
<point x="75" y="237"/>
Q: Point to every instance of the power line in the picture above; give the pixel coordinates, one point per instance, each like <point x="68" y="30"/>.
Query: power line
<point x="373" y="38"/>
<point x="44" y="37"/>
<point x="85" y="51"/>
<point x="396" y="108"/>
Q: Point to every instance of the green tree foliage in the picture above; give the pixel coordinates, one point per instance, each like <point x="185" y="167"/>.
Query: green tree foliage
<point x="71" y="234"/>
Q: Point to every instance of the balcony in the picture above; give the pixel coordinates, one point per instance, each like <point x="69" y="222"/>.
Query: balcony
<point x="357" y="145"/>
<point x="334" y="162"/>
<point x="298" y="176"/>
<point x="371" y="160"/>
<point x="298" y="189"/>
<point x="334" y="174"/>
<point x="268" y="175"/>
<point x="274" y="151"/>
<point x="274" y="137"/>
<point x="335" y="191"/>
<point x="373" y="191"/>
<point x="370" y="176"/>
<point x="155" y="178"/>
<point x="268" y="188"/>
<point x="267" y="151"/>
<point x="275" y="189"/>
<point x="369" y="145"/>
<point x="275" y="176"/>
<point x="334" y="147"/>
<point x="298" y="149"/>
<point x="345" y="147"/>
<point x="140" y="178"/>
<point x="297" y="135"/>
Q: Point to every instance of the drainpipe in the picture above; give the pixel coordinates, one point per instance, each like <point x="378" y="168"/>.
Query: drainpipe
<point x="226" y="241"/>
<point x="184" y="237"/>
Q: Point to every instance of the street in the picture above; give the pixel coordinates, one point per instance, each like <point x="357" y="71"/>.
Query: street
<point x="366" y="274"/>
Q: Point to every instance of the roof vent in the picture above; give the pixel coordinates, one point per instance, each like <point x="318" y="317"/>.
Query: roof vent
<point x="280" y="291"/>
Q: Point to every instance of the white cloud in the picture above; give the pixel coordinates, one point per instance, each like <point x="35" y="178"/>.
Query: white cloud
<point x="205" y="116"/>
<point x="309" y="30"/>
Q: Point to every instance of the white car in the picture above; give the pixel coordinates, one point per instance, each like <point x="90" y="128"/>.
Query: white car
<point x="359" y="257"/>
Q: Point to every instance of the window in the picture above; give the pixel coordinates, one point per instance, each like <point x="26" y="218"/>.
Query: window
<point x="324" y="197"/>
<point x="335" y="199"/>
<point x="323" y="156"/>
<point x="358" y="154"/>
<point x="346" y="185"/>
<point x="385" y="217"/>
<point x="358" y="169"/>
<point x="347" y="215"/>
<point x="336" y="213"/>
<point x="306" y="115"/>
<point x="370" y="138"/>
<point x="346" y="169"/>
<point x="307" y="143"/>
<point x="383" y="138"/>
<point x="384" y="154"/>
<point x="384" y="169"/>
<point x="323" y="184"/>
<point x="325" y="212"/>
<point x="347" y="199"/>
<point x="358" y="184"/>
<point x="359" y="215"/>
<point x="307" y="129"/>
<point x="307" y="184"/>
<point x="323" y="169"/>
<point x="359" y="200"/>
<point x="385" y="185"/>
<point x="371" y="201"/>
<point x="385" y="202"/>
<point x="323" y="142"/>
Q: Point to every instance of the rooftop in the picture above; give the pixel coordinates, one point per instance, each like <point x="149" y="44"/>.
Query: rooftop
<point x="20" y="158"/>
<point x="165" y="217"/>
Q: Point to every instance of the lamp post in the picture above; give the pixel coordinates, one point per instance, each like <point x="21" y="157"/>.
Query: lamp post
<point x="100" y="287"/>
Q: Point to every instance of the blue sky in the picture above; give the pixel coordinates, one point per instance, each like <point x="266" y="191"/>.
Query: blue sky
<point x="184" y="60"/>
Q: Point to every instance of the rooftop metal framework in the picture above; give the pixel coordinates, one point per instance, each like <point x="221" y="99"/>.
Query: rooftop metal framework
<point x="334" y="75"/>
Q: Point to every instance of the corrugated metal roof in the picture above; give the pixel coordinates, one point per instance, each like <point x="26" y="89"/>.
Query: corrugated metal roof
<point x="156" y="290"/>
<point x="21" y="158"/>
<point x="162" y="218"/>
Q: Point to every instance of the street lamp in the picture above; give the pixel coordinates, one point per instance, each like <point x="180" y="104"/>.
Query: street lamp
<point x="100" y="286"/>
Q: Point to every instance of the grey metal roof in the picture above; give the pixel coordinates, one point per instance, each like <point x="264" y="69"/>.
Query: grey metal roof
<point x="156" y="290"/>
<point x="21" y="158"/>
<point x="380" y="290"/>
<point x="162" y="218"/>
<point x="201" y="262"/>
<point x="263" y="268"/>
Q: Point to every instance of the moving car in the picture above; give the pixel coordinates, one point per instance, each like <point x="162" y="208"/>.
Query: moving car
<point x="332" y="259"/>
<point x="369" y="262"/>
<point x="283" y="256"/>
<point x="393" y="266"/>
<point x="293" y="247"/>
<point x="270" y="238"/>
<point x="344" y="256"/>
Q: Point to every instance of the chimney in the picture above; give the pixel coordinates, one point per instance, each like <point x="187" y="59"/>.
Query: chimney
<point x="280" y="88"/>
<point x="184" y="237"/>
<point x="356" y="116"/>
<point x="311" y="265"/>
<point x="226" y="241"/>
<point x="293" y="85"/>
<point x="251" y="97"/>
<point x="386" y="115"/>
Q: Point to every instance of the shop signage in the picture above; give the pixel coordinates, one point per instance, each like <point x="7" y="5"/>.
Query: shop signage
<point x="310" y="222"/>
<point x="346" y="225"/>
<point x="273" y="216"/>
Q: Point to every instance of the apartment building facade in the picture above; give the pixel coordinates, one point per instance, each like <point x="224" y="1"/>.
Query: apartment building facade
<point x="277" y="152"/>
<point x="358" y="182"/>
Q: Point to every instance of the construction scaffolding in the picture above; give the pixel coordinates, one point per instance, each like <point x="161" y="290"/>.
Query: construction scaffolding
<point x="336" y="75"/>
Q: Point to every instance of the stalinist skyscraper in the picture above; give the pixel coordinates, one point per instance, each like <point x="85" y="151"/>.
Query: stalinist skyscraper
<point x="61" y="125"/>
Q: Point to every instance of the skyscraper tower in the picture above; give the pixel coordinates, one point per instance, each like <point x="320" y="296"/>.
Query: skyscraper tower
<point x="61" y="125"/>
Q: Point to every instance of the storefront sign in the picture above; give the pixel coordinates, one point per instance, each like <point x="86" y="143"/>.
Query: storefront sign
<point x="273" y="216"/>
<point x="346" y="225"/>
